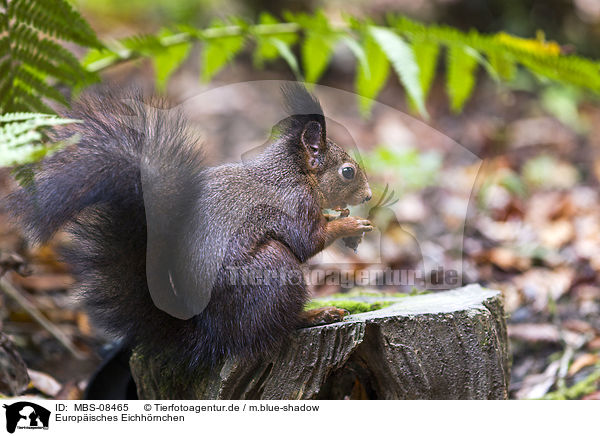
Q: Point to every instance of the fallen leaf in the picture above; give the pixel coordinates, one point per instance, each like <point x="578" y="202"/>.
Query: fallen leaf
<point x="594" y="344"/>
<point x="541" y="284"/>
<point x="44" y="282"/>
<point x="540" y="131"/>
<point x="84" y="325"/>
<point x="583" y="361"/>
<point x="508" y="259"/>
<point x="534" y="332"/>
<point x="556" y="234"/>
<point x="44" y="383"/>
<point x="578" y="325"/>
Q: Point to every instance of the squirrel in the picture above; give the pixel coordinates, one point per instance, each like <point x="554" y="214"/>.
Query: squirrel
<point x="121" y="178"/>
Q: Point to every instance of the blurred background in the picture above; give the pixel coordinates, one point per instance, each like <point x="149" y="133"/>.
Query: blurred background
<point x="506" y="192"/>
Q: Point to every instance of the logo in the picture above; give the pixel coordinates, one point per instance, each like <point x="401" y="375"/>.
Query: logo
<point x="26" y="415"/>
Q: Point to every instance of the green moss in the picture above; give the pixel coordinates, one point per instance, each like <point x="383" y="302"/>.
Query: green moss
<point x="350" y="305"/>
<point x="358" y="300"/>
<point x="586" y="386"/>
<point x="364" y="292"/>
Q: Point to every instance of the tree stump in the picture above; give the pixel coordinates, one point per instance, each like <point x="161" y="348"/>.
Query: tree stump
<point x="447" y="345"/>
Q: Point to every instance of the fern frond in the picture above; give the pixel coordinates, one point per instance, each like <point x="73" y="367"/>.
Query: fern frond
<point x="266" y="49"/>
<point x="369" y="81"/>
<point x="23" y="100"/>
<point x="410" y="47"/>
<point x="22" y="137"/>
<point x="31" y="60"/>
<point x="218" y="52"/>
<point x="426" y="56"/>
<point x="23" y="116"/>
<point x="460" y="76"/>
<point x="401" y="56"/>
<point x="319" y="41"/>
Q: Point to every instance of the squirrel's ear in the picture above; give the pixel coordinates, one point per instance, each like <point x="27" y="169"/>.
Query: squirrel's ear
<point x="312" y="140"/>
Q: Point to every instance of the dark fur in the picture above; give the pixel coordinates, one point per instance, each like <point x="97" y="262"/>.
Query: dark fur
<point x="95" y="190"/>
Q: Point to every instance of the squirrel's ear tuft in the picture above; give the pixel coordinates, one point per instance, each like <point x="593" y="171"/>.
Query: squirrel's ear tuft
<point x="301" y="104"/>
<point x="298" y="101"/>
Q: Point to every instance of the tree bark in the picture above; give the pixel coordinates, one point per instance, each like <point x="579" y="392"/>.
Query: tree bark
<point x="447" y="345"/>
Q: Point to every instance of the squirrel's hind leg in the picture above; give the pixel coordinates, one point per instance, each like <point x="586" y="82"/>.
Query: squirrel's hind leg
<point x="258" y="303"/>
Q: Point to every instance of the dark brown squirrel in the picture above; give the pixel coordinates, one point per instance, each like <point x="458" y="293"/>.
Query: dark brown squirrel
<point x="122" y="178"/>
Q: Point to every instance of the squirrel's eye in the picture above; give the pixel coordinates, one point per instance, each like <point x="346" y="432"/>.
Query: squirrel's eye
<point x="348" y="173"/>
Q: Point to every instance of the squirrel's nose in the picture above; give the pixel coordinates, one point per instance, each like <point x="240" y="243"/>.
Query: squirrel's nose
<point x="368" y="197"/>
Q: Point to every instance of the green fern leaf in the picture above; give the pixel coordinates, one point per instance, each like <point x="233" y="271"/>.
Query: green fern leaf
<point x="286" y="53"/>
<point x="28" y="77"/>
<point x="426" y="55"/>
<point x="168" y="61"/>
<point x="266" y="49"/>
<point x="358" y="52"/>
<point x="22" y="135"/>
<point x="370" y="81"/>
<point x="57" y="18"/>
<point x="460" y="77"/>
<point x="218" y="52"/>
<point x="317" y="47"/>
<point x="32" y="60"/>
<point x="402" y="58"/>
<point x="148" y="45"/>
<point x="45" y="64"/>
<point x="25" y="101"/>
<point x="504" y="66"/>
<point x="22" y="116"/>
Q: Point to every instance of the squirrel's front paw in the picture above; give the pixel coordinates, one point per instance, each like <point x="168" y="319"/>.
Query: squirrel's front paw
<point x="322" y="315"/>
<point x="355" y="226"/>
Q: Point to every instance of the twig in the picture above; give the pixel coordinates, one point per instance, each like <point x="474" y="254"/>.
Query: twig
<point x="570" y="344"/>
<point x="12" y="261"/>
<point x="14" y="293"/>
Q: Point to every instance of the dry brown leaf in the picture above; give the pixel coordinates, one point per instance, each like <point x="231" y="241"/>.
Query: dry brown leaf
<point x="587" y="292"/>
<point x="541" y="284"/>
<point x="47" y="254"/>
<point x="44" y="383"/>
<point x="501" y="231"/>
<point x="44" y="282"/>
<point x="543" y="207"/>
<point x="583" y="361"/>
<point x="578" y="325"/>
<point x="594" y="344"/>
<point x="587" y="242"/>
<point x="84" y="325"/>
<point x="534" y="332"/>
<point x="555" y="234"/>
<point x="540" y="131"/>
<point x="508" y="259"/>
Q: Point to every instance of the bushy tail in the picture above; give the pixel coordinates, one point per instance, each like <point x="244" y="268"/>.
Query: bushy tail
<point x="94" y="190"/>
